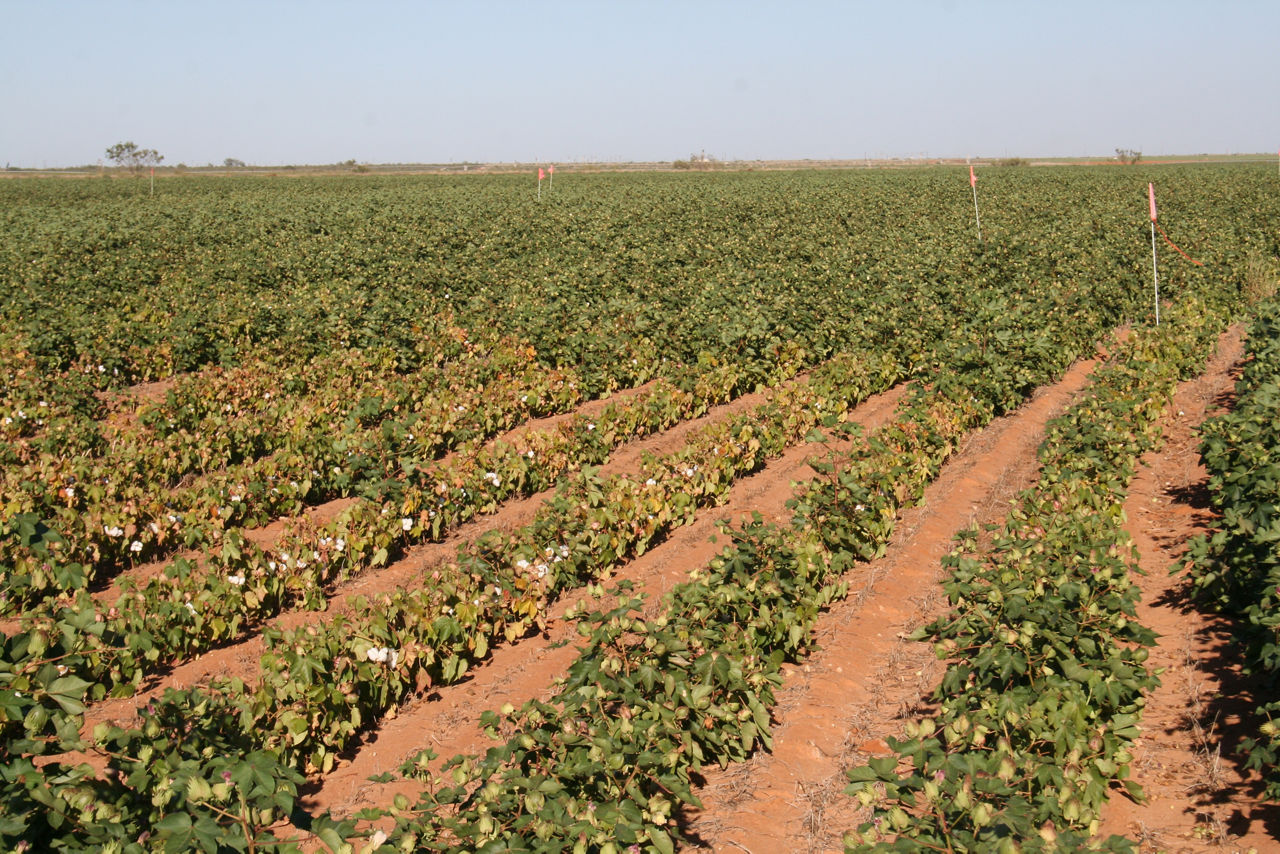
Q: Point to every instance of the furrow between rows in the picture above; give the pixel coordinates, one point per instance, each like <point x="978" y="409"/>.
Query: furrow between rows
<point x="847" y="697"/>
<point x="445" y="721"/>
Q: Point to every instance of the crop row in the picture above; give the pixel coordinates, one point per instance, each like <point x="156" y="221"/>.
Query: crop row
<point x="74" y="519"/>
<point x="73" y="513"/>
<point x="303" y="710"/>
<point x="86" y="392"/>
<point x="503" y="583"/>
<point x="323" y="684"/>
<point x="611" y="281"/>
<point x="256" y="279"/>
<point x="606" y="764"/>
<point x="194" y="606"/>
<point x="1045" y="683"/>
<point x="43" y="408"/>
<point x="1236" y="567"/>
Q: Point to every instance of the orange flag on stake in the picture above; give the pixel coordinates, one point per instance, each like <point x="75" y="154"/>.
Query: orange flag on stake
<point x="1155" y="226"/>
<point x="973" y="179"/>
<point x="541" y="173"/>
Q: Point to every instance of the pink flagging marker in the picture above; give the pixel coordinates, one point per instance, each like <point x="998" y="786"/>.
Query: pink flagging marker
<point x="1151" y="196"/>
<point x="973" y="179"/>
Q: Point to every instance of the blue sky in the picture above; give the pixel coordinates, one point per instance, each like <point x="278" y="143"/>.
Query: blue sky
<point x="283" y="82"/>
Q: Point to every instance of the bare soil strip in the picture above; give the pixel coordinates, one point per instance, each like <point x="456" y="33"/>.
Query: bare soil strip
<point x="1199" y="795"/>
<point x="446" y="721"/>
<point x="843" y="703"/>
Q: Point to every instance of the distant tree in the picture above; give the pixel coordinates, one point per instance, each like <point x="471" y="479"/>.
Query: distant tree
<point x="128" y="154"/>
<point x="233" y="163"/>
<point x="1128" y="155"/>
<point x="697" y="161"/>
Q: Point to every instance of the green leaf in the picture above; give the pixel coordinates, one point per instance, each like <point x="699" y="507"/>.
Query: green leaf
<point x="68" y="692"/>
<point x="177" y="822"/>
<point x="332" y="840"/>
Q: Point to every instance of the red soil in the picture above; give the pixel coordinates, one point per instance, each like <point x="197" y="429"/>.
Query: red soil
<point x="1199" y="796"/>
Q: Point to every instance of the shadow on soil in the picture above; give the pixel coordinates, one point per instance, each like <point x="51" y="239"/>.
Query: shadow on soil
<point x="1223" y="721"/>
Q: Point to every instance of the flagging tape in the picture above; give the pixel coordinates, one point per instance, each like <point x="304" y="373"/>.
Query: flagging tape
<point x="1175" y="246"/>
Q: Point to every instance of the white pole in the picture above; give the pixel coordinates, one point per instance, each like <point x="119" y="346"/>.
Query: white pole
<point x="976" y="217"/>
<point x="1155" y="277"/>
